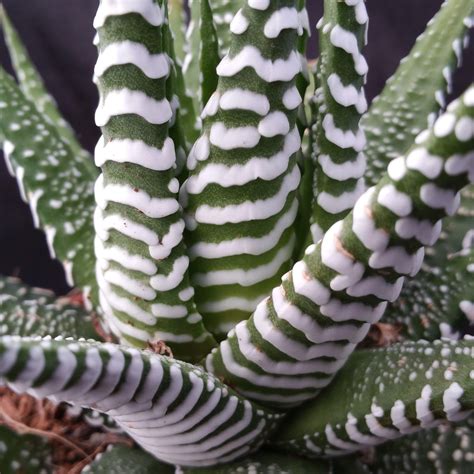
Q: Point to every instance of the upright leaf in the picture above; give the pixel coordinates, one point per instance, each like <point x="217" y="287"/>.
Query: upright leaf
<point x="177" y="412"/>
<point x="32" y="86"/>
<point x="209" y="53"/>
<point x="54" y="180"/>
<point x="418" y="88"/>
<point x="177" y="22"/>
<point x="384" y="394"/>
<point x="340" y="141"/>
<point x="142" y="266"/>
<point x="240" y="199"/>
<point x="297" y="339"/>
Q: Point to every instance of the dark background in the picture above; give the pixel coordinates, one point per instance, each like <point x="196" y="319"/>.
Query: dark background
<point x="58" y="34"/>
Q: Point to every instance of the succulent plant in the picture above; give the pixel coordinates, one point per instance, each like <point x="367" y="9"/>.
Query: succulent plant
<point x="271" y="274"/>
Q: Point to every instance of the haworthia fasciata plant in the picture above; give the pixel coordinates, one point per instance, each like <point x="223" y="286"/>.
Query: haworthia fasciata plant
<point x="142" y="266"/>
<point x="240" y="200"/>
<point x="417" y="91"/>
<point x="32" y="86"/>
<point x="176" y="411"/>
<point x="177" y="22"/>
<point x="383" y="394"/>
<point x="53" y="180"/>
<point x="340" y="141"/>
<point x="298" y="338"/>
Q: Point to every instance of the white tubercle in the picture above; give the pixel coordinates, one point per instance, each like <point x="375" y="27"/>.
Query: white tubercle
<point x="246" y="100"/>
<point x="174" y="278"/>
<point x="292" y="98"/>
<point x="141" y="200"/>
<point x="127" y="101"/>
<point x="335" y="204"/>
<point x="428" y="165"/>
<point x="439" y="198"/>
<point x="345" y="170"/>
<point x="239" y="23"/>
<point x="346" y="40"/>
<point x="444" y="125"/>
<point x="266" y="69"/>
<point x="148" y="9"/>
<point x="343" y="138"/>
<point x="232" y="138"/>
<point x="239" y="174"/>
<point x="397" y="168"/>
<point x="396" y="201"/>
<point x="284" y="18"/>
<point x="128" y="52"/>
<point x="347" y="95"/>
<point x="246" y="245"/>
<point x="250" y="210"/>
<point x="212" y="106"/>
<point x="259" y="4"/>
<point x="137" y="152"/>
<point x="275" y="123"/>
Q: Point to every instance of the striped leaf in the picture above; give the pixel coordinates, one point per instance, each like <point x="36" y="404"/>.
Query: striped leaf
<point x="142" y="266"/>
<point x="417" y="89"/>
<point x="240" y="199"/>
<point x="177" y="22"/>
<point x="384" y="394"/>
<point x="27" y="311"/>
<point x="55" y="182"/>
<point x="298" y="338"/>
<point x="340" y="141"/>
<point x="176" y="411"/>
<point x="33" y="87"/>
<point x="223" y="12"/>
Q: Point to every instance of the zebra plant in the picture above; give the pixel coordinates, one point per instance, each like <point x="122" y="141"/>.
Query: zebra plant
<point x="282" y="282"/>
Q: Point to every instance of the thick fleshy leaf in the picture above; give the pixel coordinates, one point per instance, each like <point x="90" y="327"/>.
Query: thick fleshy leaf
<point x="142" y="267"/>
<point x="177" y="22"/>
<point x="240" y="198"/>
<point x="25" y="454"/>
<point x="27" y="311"/>
<point x="53" y="180"/>
<point x="176" y="411"/>
<point x="122" y="460"/>
<point x="209" y="57"/>
<point x="33" y="87"/>
<point x="418" y="88"/>
<point x="223" y="12"/>
<point x="384" y="394"/>
<point x="340" y="141"/>
<point x="299" y="337"/>
<point x="446" y="448"/>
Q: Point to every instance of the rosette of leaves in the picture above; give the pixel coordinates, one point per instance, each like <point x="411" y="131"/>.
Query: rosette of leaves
<point x="196" y="337"/>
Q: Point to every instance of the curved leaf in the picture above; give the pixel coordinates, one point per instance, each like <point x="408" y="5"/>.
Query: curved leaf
<point x="176" y="411"/>
<point x="54" y="180"/>
<point x="417" y="89"/>
<point x="299" y="337"/>
<point x="27" y="311"/>
<point x="384" y="394"/>
<point x="32" y="86"/>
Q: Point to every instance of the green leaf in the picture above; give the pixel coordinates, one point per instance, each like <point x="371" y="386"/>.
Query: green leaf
<point x="300" y="336"/>
<point x="384" y="394"/>
<point x="25" y="454"/>
<point x="340" y="141"/>
<point x="33" y="87"/>
<point x="176" y="411"/>
<point x="417" y="89"/>
<point x="27" y="311"/>
<point x="223" y="12"/>
<point x="122" y="460"/>
<point x="54" y="180"/>
<point x="177" y="22"/>
<point x="209" y="52"/>
<point x="447" y="448"/>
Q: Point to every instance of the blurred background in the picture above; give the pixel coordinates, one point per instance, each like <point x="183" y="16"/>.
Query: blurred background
<point x="58" y="35"/>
